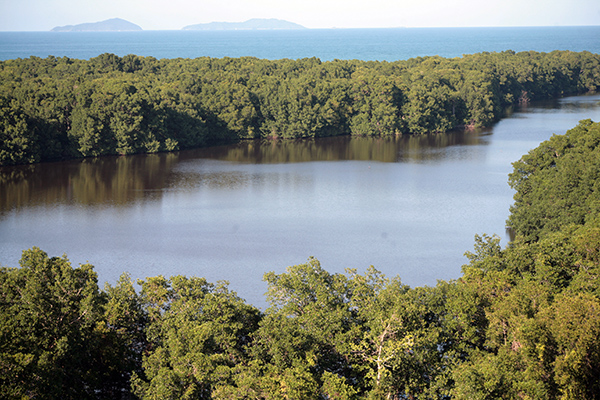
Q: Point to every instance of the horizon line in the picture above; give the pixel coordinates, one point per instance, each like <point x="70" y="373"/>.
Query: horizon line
<point x="314" y="29"/>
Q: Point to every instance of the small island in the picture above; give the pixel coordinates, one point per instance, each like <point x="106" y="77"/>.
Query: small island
<point x="110" y="25"/>
<point x="251" y="24"/>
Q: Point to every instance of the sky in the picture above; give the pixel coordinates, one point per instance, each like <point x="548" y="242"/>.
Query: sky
<point x="43" y="15"/>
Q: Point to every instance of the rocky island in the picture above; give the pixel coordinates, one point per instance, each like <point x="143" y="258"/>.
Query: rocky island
<point x="113" y="24"/>
<point x="251" y="24"/>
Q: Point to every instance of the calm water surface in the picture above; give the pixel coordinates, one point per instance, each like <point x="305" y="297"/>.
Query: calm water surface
<point x="410" y="205"/>
<point x="326" y="44"/>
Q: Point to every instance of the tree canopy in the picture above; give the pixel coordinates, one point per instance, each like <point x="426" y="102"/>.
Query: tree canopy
<point x="557" y="183"/>
<point x="56" y="108"/>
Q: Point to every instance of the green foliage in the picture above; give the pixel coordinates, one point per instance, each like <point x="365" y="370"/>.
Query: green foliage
<point x="55" y="339"/>
<point x="57" y="108"/>
<point x="358" y="336"/>
<point x="536" y="302"/>
<point x="557" y="183"/>
<point x="196" y="334"/>
<point x="306" y="329"/>
<point x="521" y="322"/>
<point x="17" y="141"/>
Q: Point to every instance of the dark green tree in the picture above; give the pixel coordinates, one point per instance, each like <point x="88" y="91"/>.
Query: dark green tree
<point x="557" y="183"/>
<point x="54" y="339"/>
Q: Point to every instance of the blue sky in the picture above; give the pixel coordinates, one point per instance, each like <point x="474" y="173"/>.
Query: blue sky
<point x="43" y="15"/>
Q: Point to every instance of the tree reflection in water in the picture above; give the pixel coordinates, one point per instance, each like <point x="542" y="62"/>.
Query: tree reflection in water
<point x="121" y="180"/>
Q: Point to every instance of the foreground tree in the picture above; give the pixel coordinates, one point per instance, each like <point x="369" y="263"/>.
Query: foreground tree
<point x="557" y="183"/>
<point x="537" y="300"/>
<point x="196" y="334"/>
<point x="54" y="338"/>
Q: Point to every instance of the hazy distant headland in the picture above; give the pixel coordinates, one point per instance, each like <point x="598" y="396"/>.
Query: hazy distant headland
<point x="251" y="24"/>
<point x="120" y="25"/>
<point x="114" y="24"/>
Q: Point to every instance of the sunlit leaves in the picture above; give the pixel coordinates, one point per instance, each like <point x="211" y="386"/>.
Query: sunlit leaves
<point x="196" y="334"/>
<point x="557" y="183"/>
<point x="59" y="107"/>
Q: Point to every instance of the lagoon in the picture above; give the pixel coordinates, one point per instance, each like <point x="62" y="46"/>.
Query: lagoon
<point x="409" y="205"/>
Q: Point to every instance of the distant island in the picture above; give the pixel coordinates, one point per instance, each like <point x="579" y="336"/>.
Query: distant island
<point x="252" y="24"/>
<point x="114" y="24"/>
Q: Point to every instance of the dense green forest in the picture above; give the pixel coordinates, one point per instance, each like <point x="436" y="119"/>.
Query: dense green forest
<point x="522" y="322"/>
<point x="57" y="108"/>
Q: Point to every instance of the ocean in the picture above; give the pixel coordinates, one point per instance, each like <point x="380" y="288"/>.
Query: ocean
<point x="326" y="44"/>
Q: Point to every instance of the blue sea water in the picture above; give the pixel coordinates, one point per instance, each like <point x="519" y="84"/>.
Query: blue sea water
<point x="327" y="44"/>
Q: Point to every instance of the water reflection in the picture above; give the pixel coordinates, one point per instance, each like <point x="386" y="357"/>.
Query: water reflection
<point x="121" y="180"/>
<point x="407" y="148"/>
<point x="114" y="180"/>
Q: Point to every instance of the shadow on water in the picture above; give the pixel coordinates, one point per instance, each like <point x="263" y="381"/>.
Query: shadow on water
<point x="118" y="181"/>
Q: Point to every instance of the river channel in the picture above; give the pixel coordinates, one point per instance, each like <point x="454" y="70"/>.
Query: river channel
<point x="408" y="205"/>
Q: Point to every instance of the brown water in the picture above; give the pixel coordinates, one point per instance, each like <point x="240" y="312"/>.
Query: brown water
<point x="408" y="205"/>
